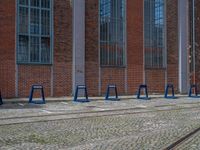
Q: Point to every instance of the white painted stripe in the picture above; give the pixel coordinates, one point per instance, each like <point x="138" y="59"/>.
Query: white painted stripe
<point x="20" y="104"/>
<point x="100" y="109"/>
<point x="46" y="111"/>
<point x="64" y="103"/>
<point x="141" y="106"/>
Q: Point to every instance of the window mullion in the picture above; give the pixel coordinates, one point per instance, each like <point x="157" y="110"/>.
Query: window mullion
<point x="29" y="31"/>
<point x="40" y="33"/>
<point x="111" y="45"/>
<point x="116" y="24"/>
<point x="18" y="16"/>
<point x="108" y="40"/>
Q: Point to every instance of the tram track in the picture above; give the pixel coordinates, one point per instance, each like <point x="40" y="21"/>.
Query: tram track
<point x="84" y="112"/>
<point x="87" y="114"/>
<point x="183" y="139"/>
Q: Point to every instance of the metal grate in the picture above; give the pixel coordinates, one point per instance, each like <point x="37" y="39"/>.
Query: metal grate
<point x="154" y="33"/>
<point x="112" y="32"/>
<point x="34" y="31"/>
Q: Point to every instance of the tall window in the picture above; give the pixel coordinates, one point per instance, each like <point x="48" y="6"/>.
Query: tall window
<point x="112" y="32"/>
<point x="34" y="31"/>
<point x="154" y="20"/>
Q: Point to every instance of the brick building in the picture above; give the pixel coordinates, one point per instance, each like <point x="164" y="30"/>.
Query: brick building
<point x="62" y="43"/>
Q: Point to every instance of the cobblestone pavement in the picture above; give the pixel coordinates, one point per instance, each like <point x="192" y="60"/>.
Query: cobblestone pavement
<point x="100" y="125"/>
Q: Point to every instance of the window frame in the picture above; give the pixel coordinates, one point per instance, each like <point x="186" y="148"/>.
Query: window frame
<point x="162" y="65"/>
<point x="30" y="35"/>
<point x="124" y="32"/>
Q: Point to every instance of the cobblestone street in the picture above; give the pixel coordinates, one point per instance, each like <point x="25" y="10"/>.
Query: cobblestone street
<point x="103" y="125"/>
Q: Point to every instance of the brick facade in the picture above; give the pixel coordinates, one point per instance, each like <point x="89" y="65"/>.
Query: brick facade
<point x="135" y="55"/>
<point x="172" y="43"/>
<point x="156" y="79"/>
<point x="91" y="47"/>
<point x="62" y="66"/>
<point x="197" y="48"/>
<point x="57" y="78"/>
<point x="7" y="48"/>
<point x="28" y="75"/>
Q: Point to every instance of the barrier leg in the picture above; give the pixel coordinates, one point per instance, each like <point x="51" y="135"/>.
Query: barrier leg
<point x="33" y="88"/>
<point x="1" y="100"/>
<point x="169" y="86"/>
<point x="144" y="87"/>
<point x="116" y="93"/>
<point x="81" y="87"/>
<point x="108" y="93"/>
<point x="195" y="95"/>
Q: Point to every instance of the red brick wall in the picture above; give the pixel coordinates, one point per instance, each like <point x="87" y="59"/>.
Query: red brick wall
<point x="62" y="60"/>
<point x="62" y="67"/>
<point x="155" y="79"/>
<point x="134" y="51"/>
<point x="197" y="31"/>
<point x="172" y="42"/>
<point x="113" y="76"/>
<point x="134" y="44"/>
<point x="109" y="75"/>
<point x="33" y="74"/>
<point x="91" y="47"/>
<point x="7" y="48"/>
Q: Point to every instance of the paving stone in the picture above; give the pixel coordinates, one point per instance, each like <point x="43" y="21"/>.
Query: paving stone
<point x="128" y="124"/>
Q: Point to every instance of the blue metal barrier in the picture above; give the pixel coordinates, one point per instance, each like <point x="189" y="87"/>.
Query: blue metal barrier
<point x="143" y="87"/>
<point x="108" y="97"/>
<point x="1" y="101"/>
<point x="169" y="86"/>
<point x="81" y="87"/>
<point x="33" y="88"/>
<point x="193" y="86"/>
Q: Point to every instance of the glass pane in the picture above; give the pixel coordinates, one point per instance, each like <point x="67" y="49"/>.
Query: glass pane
<point x="35" y="3"/>
<point x="23" y="20"/>
<point x="112" y="15"/>
<point x="23" y="49"/>
<point x="23" y="2"/>
<point x="35" y="21"/>
<point x="45" y="3"/>
<point x="45" y="22"/>
<point x="34" y="32"/>
<point x="34" y="49"/>
<point x="154" y="33"/>
<point x="45" y="50"/>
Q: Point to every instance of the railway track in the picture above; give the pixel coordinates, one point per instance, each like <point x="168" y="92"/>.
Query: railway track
<point x="183" y="139"/>
<point x="116" y="112"/>
<point x="88" y="114"/>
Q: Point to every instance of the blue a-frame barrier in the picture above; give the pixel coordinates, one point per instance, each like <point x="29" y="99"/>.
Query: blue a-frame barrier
<point x="1" y="100"/>
<point x="108" y="97"/>
<point x="37" y="87"/>
<point x="195" y="94"/>
<point x="146" y="96"/>
<point x="81" y="87"/>
<point x="169" y="86"/>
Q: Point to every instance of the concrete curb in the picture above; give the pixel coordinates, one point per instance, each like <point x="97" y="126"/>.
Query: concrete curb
<point x="61" y="99"/>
